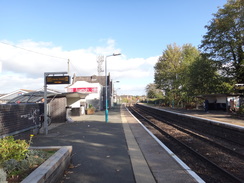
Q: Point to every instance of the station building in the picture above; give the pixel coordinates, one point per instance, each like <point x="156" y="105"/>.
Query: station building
<point x="94" y="86"/>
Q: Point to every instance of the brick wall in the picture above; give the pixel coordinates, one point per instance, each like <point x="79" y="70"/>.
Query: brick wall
<point x="18" y="118"/>
<point x="58" y="110"/>
<point x="23" y="118"/>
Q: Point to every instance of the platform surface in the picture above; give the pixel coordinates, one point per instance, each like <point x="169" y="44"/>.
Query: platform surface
<point x="118" y="151"/>
<point x="216" y="115"/>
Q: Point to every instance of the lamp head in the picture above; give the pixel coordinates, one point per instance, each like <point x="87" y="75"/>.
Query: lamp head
<point x="116" y="54"/>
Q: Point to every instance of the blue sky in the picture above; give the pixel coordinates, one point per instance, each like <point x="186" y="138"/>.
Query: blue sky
<point x="81" y="29"/>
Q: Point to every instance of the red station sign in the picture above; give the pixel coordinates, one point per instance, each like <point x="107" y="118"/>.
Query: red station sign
<point x="84" y="90"/>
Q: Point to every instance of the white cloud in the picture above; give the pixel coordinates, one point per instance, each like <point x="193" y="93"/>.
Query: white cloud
<point x="11" y="82"/>
<point x="24" y="64"/>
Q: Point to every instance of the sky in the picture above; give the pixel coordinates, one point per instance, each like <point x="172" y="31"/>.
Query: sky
<point x="42" y="35"/>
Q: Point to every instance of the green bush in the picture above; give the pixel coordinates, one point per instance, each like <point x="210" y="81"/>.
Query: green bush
<point x="17" y="160"/>
<point x="32" y="160"/>
<point x="36" y="157"/>
<point x="241" y="110"/>
<point x="13" y="149"/>
<point x="22" y="168"/>
<point x="155" y="101"/>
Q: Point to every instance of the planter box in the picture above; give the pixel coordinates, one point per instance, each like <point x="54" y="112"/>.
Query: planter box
<point x="90" y="111"/>
<point x="52" y="169"/>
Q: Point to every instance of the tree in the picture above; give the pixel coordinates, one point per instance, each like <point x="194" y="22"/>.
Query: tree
<point x="167" y="68"/>
<point x="189" y="55"/>
<point x="224" y="39"/>
<point x="171" y="70"/>
<point x="205" y="78"/>
<point x="153" y="92"/>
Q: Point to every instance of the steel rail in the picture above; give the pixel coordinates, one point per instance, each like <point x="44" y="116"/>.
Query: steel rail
<point x="200" y="137"/>
<point x="224" y="130"/>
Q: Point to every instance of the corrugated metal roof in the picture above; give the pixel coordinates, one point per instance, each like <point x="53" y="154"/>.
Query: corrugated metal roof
<point x="35" y="97"/>
<point x="32" y="97"/>
<point x="14" y="94"/>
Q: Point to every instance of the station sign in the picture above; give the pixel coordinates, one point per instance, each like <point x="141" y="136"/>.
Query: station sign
<point x="57" y="80"/>
<point x="84" y="89"/>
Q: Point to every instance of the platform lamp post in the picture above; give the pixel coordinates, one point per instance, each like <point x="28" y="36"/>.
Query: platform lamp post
<point x="117" y="98"/>
<point x="106" y="89"/>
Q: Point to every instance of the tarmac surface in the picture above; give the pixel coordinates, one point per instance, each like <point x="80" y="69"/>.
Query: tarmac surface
<point x="120" y="151"/>
<point x="100" y="151"/>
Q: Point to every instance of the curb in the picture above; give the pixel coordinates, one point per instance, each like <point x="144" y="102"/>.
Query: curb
<point x="52" y="169"/>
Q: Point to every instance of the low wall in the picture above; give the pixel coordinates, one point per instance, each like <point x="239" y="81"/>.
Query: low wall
<point x="51" y="170"/>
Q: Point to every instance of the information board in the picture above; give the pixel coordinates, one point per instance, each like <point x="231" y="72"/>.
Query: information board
<point x="57" y="80"/>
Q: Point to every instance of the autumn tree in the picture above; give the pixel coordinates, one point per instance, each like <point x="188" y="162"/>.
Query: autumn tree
<point x="224" y="39"/>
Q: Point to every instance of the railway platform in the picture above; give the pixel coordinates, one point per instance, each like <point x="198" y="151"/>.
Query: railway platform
<point x="220" y="116"/>
<point x="118" y="151"/>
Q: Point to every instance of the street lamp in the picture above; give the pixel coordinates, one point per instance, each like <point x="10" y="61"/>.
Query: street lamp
<point x="106" y="89"/>
<point x="117" y="96"/>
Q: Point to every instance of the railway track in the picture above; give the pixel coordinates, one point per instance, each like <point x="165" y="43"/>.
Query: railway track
<point x="213" y="158"/>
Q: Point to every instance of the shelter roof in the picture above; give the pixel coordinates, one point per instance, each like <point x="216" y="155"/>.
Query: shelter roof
<point x="72" y="95"/>
<point x="36" y="97"/>
<point x="219" y="95"/>
<point x="31" y="97"/>
<point x="11" y="95"/>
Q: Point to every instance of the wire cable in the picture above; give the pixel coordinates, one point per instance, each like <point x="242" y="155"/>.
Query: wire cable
<point x="73" y="67"/>
<point x="33" y="51"/>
